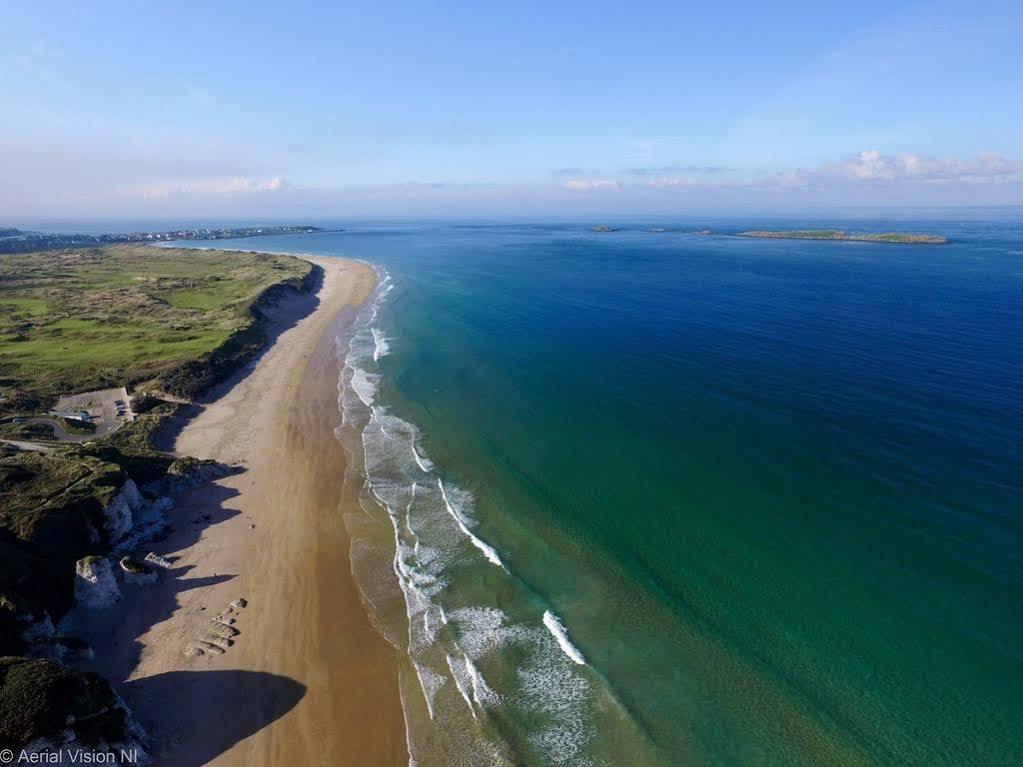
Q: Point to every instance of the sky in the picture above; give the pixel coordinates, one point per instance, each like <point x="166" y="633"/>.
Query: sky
<point x="516" y="108"/>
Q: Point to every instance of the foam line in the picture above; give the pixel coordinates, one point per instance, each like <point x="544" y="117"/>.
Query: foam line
<point x="481" y="691"/>
<point x="435" y="681"/>
<point x="456" y="674"/>
<point x="557" y="629"/>
<point x="423" y="462"/>
<point x="364" y="386"/>
<point x="380" y="346"/>
<point x="488" y="551"/>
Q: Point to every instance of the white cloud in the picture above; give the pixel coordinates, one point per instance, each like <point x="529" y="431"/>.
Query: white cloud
<point x="875" y="166"/>
<point x="215" y="187"/>
<point x="792" y="179"/>
<point x="590" y="185"/>
<point x="41" y="178"/>
<point x="866" y="169"/>
<point x="702" y="170"/>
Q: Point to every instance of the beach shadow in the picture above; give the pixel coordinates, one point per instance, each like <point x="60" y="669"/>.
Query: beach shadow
<point x="143" y="606"/>
<point x="186" y="584"/>
<point x="166" y="434"/>
<point x="215" y="710"/>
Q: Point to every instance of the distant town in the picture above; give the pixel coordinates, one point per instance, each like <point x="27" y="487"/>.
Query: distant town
<point x="18" y="241"/>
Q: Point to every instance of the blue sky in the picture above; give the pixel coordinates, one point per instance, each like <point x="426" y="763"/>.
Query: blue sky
<point x="456" y="107"/>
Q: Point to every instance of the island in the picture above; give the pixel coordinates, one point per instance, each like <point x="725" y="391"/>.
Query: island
<point x="837" y="234"/>
<point x="16" y="241"/>
<point x="603" y="228"/>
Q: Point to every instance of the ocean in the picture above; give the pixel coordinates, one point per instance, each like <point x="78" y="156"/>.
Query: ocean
<point x="663" y="498"/>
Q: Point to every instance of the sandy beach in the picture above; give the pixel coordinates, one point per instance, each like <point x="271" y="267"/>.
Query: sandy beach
<point x="306" y="680"/>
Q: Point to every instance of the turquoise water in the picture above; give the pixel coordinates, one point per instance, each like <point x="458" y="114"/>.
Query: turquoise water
<point x="770" y="491"/>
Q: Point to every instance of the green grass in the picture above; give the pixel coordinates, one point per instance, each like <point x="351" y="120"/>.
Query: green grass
<point x="31" y="432"/>
<point x="194" y="299"/>
<point x="26" y="306"/>
<point x="79" y="319"/>
<point x="72" y="426"/>
<point x="73" y="325"/>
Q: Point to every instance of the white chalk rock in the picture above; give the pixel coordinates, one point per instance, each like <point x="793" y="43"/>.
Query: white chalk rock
<point x="95" y="586"/>
<point x="151" y="517"/>
<point x="120" y="512"/>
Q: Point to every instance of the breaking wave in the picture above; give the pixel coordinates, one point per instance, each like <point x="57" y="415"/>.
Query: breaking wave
<point x="554" y="625"/>
<point x="481" y="671"/>
<point x="488" y="551"/>
<point x="380" y="346"/>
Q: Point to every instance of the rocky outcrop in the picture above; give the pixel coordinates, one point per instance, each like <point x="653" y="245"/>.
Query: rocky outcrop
<point x="136" y="572"/>
<point x="156" y="559"/>
<point x="41" y="639"/>
<point x="119" y="514"/>
<point x="150" y="521"/>
<point x="131" y="519"/>
<point x="95" y="586"/>
<point x="188" y="472"/>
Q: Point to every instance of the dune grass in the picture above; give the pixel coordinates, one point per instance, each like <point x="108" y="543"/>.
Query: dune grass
<point x="79" y="319"/>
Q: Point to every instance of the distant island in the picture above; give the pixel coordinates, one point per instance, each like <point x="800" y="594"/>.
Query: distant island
<point x="603" y="228"/>
<point x="837" y="234"/>
<point x="17" y="241"/>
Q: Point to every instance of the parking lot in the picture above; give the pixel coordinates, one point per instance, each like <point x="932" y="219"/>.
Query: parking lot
<point x="109" y="409"/>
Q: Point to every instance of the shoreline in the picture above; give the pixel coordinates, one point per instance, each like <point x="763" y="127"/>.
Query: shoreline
<point x="307" y="679"/>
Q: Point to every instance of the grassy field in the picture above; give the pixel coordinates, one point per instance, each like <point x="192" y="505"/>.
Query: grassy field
<point x="81" y="319"/>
